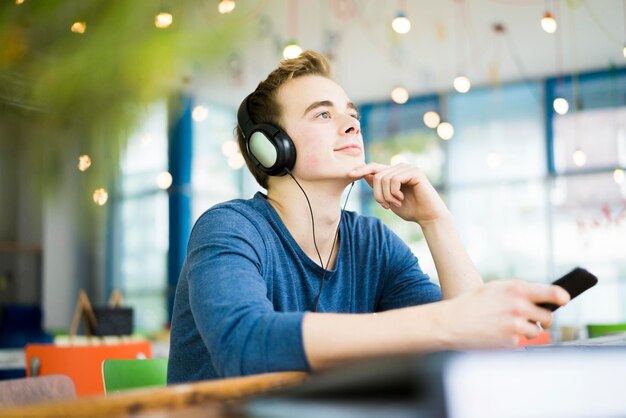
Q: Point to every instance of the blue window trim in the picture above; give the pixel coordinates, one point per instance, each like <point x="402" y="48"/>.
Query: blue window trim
<point x="564" y="83"/>
<point x="180" y="145"/>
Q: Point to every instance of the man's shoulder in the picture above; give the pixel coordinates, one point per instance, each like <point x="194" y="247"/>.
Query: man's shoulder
<point x="235" y="208"/>
<point x="235" y="215"/>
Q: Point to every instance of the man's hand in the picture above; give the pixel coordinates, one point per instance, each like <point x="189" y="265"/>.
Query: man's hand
<point x="496" y="314"/>
<point x="405" y="190"/>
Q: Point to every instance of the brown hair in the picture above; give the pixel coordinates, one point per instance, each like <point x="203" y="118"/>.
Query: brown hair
<point x="263" y="106"/>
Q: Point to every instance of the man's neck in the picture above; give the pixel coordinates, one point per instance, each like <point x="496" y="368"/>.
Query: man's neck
<point x="291" y="205"/>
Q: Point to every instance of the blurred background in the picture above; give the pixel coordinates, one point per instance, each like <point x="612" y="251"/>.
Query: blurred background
<point x="117" y="120"/>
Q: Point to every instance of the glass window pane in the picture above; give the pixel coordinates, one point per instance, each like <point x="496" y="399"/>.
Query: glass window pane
<point x="146" y="154"/>
<point x="218" y="170"/>
<point x="140" y="232"/>
<point x="504" y="228"/>
<point x="589" y="230"/>
<point x="499" y="135"/>
<point x="590" y="139"/>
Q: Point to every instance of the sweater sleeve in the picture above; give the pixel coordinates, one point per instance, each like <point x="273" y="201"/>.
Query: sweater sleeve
<point x="228" y="298"/>
<point x="405" y="284"/>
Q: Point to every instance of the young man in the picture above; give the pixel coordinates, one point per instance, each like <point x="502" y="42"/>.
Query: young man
<point x="246" y="301"/>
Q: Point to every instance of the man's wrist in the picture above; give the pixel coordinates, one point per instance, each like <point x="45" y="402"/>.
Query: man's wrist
<point x="444" y="219"/>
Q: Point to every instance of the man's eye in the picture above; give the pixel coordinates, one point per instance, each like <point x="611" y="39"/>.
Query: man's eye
<point x="324" y="115"/>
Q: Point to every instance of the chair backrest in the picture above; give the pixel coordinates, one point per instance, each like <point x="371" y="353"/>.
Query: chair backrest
<point x="32" y="390"/>
<point x="83" y="364"/>
<point x="119" y="375"/>
<point x="542" y="339"/>
<point x="600" y="330"/>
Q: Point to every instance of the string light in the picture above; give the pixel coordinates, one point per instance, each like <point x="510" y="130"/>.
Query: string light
<point x="560" y="105"/>
<point x="462" y="84"/>
<point x="164" y="180"/>
<point x="78" y="27"/>
<point x="445" y="131"/>
<point x="226" y="6"/>
<point x="431" y="119"/>
<point x="19" y="1"/>
<point x="401" y="24"/>
<point x="84" y="162"/>
<point x="230" y="147"/>
<point x="292" y="50"/>
<point x="619" y="176"/>
<point x="399" y="95"/>
<point x="100" y="196"/>
<point x="146" y="138"/>
<point x="494" y="160"/>
<point x="199" y="113"/>
<point x="548" y="23"/>
<point x="236" y="161"/>
<point x="579" y="157"/>
<point x="398" y="159"/>
<point x="163" y="20"/>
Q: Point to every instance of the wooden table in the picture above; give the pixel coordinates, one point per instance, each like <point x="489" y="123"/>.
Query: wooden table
<point x="206" y="399"/>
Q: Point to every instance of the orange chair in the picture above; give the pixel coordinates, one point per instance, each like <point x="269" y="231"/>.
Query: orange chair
<point x="83" y="364"/>
<point x="542" y="339"/>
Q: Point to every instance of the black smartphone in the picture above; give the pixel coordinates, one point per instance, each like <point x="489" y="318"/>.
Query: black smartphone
<point x="575" y="282"/>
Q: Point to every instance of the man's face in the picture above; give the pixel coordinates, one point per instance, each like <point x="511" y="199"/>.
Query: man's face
<point x="323" y="124"/>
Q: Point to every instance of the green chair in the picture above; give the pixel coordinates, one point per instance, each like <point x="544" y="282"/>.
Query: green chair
<point x="599" y="330"/>
<point x="119" y="375"/>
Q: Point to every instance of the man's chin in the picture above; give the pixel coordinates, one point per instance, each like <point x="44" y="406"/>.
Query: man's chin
<point x="357" y="164"/>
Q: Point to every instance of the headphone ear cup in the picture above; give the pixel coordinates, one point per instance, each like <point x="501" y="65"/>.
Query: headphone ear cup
<point x="272" y="149"/>
<point x="263" y="150"/>
<point x="286" y="158"/>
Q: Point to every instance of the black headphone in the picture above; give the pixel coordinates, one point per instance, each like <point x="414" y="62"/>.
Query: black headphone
<point x="270" y="148"/>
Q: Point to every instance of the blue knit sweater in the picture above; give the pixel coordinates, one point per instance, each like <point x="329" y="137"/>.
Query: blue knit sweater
<point x="246" y="286"/>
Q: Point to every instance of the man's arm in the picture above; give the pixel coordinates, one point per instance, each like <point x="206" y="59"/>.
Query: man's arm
<point x="407" y="192"/>
<point x="456" y="271"/>
<point x="490" y="316"/>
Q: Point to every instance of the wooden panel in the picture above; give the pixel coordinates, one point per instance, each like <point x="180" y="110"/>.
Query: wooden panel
<point x="162" y="401"/>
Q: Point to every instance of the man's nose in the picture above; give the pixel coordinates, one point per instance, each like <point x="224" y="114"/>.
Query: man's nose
<point x="351" y="126"/>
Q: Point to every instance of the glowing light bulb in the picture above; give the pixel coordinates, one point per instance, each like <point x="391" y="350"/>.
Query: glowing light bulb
<point x="398" y="159"/>
<point x="292" y="50"/>
<point x="560" y="105"/>
<point x="79" y="27"/>
<point x="84" y="162"/>
<point x="19" y="1"/>
<point x="548" y="23"/>
<point x="431" y="119"/>
<point x="199" y="113"/>
<point x="399" y="95"/>
<point x="146" y="138"/>
<point x="401" y="24"/>
<point x="164" y="180"/>
<point x="226" y="6"/>
<point x="100" y="196"/>
<point x="494" y="160"/>
<point x="462" y="84"/>
<point x="619" y="176"/>
<point x="236" y="161"/>
<point x="230" y="147"/>
<point x="445" y="131"/>
<point x="579" y="157"/>
<point x="163" y="20"/>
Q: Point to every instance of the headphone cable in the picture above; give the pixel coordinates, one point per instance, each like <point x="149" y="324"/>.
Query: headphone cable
<point x="324" y="267"/>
